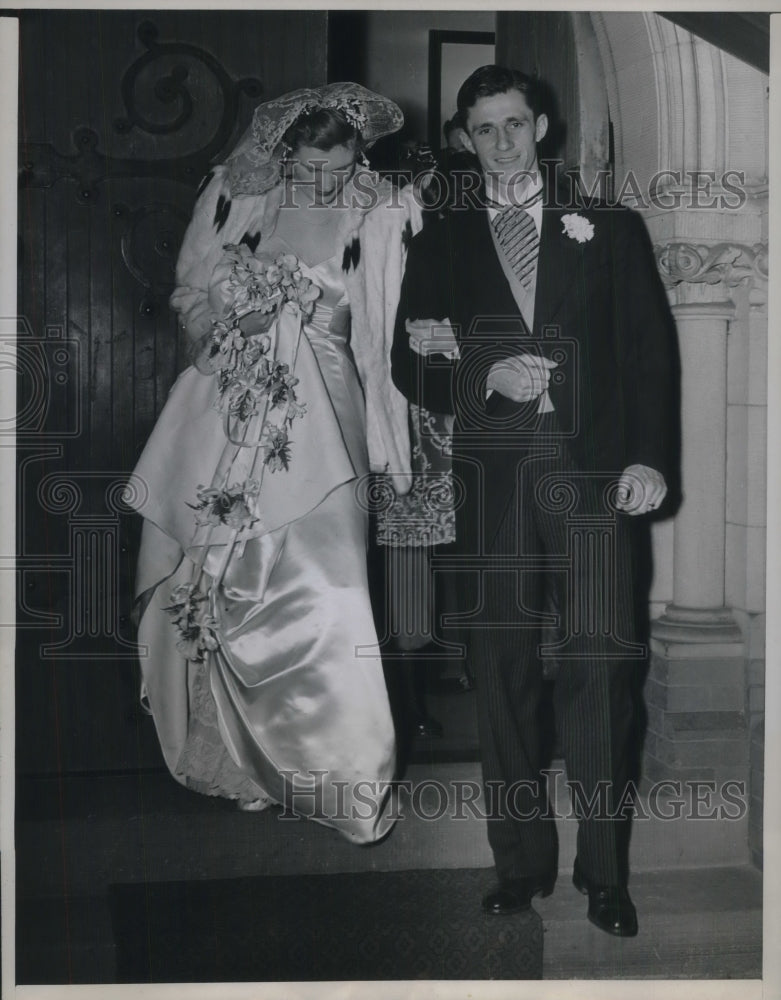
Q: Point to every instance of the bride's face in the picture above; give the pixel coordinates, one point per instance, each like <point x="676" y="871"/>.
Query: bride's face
<point x="323" y="172"/>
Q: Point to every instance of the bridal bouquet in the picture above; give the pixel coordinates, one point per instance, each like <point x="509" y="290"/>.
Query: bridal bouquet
<point x="262" y="285"/>
<point x="250" y="381"/>
<point x="253" y="387"/>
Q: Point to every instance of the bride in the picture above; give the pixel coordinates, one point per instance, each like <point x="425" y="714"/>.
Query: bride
<point x="258" y="649"/>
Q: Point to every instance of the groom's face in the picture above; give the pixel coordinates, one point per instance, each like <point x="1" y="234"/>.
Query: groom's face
<point x="503" y="133"/>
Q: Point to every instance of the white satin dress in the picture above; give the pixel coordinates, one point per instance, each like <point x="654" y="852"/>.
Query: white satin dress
<point x="292" y="707"/>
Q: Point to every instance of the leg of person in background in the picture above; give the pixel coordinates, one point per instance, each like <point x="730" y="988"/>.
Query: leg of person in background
<point x="410" y="601"/>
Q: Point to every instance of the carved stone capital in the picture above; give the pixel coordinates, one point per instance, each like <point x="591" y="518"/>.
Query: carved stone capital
<point x="731" y="263"/>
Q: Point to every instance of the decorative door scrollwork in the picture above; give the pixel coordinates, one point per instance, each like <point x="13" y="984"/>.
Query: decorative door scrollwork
<point x="181" y="63"/>
<point x="150" y="240"/>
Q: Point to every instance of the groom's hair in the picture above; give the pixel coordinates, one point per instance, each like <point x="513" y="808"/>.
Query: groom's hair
<point x="489" y="80"/>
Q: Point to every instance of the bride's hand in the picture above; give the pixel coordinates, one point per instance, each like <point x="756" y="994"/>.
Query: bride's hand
<point x="256" y="322"/>
<point x="201" y="350"/>
<point x="432" y="336"/>
<point x="199" y="355"/>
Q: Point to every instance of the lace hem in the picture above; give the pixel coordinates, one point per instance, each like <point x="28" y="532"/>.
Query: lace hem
<point x="205" y="764"/>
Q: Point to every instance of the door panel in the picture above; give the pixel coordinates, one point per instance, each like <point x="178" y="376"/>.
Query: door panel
<point x="121" y="114"/>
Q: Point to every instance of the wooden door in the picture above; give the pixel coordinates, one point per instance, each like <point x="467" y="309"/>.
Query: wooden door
<point x="121" y="114"/>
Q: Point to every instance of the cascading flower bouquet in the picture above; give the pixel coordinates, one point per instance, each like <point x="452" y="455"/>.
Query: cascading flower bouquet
<point x="252" y="387"/>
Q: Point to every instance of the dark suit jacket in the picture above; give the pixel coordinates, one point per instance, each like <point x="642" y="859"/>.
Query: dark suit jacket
<point x="600" y="311"/>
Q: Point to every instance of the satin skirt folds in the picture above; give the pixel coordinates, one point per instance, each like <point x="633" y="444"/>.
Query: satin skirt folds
<point x="309" y="716"/>
<point x="292" y="705"/>
<point x="300" y="698"/>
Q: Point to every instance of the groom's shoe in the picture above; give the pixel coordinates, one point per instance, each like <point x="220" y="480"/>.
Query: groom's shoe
<point x="609" y="906"/>
<point x="515" y="895"/>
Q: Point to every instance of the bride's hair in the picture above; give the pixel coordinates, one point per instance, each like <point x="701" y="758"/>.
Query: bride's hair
<point x="323" y="129"/>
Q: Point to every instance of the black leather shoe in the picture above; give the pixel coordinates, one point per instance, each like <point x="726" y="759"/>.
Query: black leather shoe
<point x="516" y="894"/>
<point x="609" y="906"/>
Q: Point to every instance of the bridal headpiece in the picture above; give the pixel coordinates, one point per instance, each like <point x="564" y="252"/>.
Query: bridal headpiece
<point x="254" y="164"/>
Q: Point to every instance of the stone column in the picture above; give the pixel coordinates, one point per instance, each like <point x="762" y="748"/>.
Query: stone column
<point x="697" y="613"/>
<point x="695" y="691"/>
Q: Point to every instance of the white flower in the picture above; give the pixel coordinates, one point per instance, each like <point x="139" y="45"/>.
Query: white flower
<point x="577" y="227"/>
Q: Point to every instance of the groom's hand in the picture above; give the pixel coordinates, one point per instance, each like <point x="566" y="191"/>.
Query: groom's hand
<point x="640" y="490"/>
<point x="522" y="377"/>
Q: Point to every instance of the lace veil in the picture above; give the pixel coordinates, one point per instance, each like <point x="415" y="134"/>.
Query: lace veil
<point x="254" y="163"/>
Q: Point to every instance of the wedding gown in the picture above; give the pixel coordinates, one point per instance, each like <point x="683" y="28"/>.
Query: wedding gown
<point x="292" y="706"/>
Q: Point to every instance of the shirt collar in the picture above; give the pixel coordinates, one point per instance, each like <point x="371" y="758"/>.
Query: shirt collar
<point x="496" y="199"/>
<point x="532" y="199"/>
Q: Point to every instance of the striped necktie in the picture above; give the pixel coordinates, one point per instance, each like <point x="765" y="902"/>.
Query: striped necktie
<point x="516" y="234"/>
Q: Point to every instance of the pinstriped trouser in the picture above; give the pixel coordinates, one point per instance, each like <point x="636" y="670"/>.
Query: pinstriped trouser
<point x="561" y="516"/>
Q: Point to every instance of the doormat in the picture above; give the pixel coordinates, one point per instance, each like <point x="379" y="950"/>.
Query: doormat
<point x="357" y="926"/>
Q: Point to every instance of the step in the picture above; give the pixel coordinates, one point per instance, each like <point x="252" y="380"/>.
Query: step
<point x="109" y="829"/>
<point x="693" y="924"/>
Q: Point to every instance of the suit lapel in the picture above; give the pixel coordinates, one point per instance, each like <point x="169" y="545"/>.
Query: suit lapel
<point x="477" y="268"/>
<point x="558" y="256"/>
<point x="564" y="266"/>
<point x="561" y="265"/>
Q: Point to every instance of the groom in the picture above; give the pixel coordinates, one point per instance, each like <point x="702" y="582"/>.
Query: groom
<point x="546" y="330"/>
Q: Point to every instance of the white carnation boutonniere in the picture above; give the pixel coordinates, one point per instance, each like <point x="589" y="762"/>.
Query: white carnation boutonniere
<point x="577" y="227"/>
